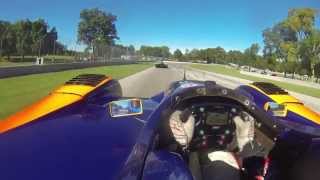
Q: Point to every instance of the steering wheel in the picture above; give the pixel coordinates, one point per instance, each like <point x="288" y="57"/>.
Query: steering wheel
<point x="214" y="125"/>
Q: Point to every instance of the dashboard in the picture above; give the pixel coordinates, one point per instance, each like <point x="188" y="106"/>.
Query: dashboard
<point x="217" y="118"/>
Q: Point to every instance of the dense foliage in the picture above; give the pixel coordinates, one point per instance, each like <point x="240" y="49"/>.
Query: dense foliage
<point x="154" y="51"/>
<point x="26" y="37"/>
<point x="290" y="46"/>
<point x="294" y="42"/>
<point x="97" y="29"/>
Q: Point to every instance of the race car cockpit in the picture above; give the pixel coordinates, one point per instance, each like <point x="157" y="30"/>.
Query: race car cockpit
<point x="220" y="134"/>
<point x="211" y="126"/>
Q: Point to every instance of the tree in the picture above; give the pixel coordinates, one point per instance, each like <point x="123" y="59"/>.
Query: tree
<point x="301" y="21"/>
<point x="178" y="54"/>
<point x="310" y="49"/>
<point x="165" y="51"/>
<point x="50" y="41"/>
<point x="4" y="30"/>
<point x="290" y="51"/>
<point x="60" y="48"/>
<point x="156" y="51"/>
<point x="39" y="32"/>
<point x="97" y="27"/>
<point x="131" y="50"/>
<point x="271" y="62"/>
<point x="254" y="49"/>
<point x="28" y="37"/>
<point x="8" y="40"/>
<point x="210" y="55"/>
<point x="272" y="39"/>
<point x="215" y="55"/>
<point x="235" y="56"/>
<point x="146" y="50"/>
<point x="317" y="71"/>
<point x="24" y="36"/>
<point x="251" y="55"/>
<point x="220" y="55"/>
<point x="293" y="41"/>
<point x="193" y="54"/>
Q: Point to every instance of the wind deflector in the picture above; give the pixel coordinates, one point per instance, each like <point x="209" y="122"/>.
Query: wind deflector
<point x="87" y="79"/>
<point x="270" y="88"/>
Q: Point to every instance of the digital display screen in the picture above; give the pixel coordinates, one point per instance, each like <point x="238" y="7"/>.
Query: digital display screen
<point x="217" y="118"/>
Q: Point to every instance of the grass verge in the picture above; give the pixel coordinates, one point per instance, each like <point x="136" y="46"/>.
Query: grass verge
<point x="17" y="92"/>
<point x="236" y="73"/>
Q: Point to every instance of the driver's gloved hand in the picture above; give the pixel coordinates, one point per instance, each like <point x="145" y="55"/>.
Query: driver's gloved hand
<point x="182" y="126"/>
<point x="244" y="130"/>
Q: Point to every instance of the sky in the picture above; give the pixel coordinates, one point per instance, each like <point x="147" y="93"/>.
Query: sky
<point x="184" y="24"/>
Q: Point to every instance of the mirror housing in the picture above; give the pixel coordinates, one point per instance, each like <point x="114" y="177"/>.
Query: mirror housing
<point x="125" y="107"/>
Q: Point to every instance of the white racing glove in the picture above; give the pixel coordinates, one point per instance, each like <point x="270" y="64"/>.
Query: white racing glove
<point x="244" y="130"/>
<point x="182" y="131"/>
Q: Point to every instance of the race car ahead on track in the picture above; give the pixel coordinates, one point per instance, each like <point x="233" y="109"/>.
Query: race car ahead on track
<point x="85" y="129"/>
<point x="161" y="64"/>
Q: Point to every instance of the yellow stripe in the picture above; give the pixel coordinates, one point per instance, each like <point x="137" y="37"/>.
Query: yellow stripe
<point x="304" y="111"/>
<point x="280" y="99"/>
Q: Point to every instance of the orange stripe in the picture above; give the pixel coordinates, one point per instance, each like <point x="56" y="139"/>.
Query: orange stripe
<point x="61" y="97"/>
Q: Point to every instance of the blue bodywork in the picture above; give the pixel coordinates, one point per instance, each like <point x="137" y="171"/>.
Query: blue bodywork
<point x="82" y="141"/>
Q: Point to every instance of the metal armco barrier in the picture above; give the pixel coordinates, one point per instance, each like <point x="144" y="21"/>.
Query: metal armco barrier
<point x="6" y="72"/>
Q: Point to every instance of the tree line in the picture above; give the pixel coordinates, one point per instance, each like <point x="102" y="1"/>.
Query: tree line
<point x="294" y="43"/>
<point x="219" y="55"/>
<point x="154" y="51"/>
<point x="26" y="37"/>
<point x="97" y="30"/>
<point x="290" y="46"/>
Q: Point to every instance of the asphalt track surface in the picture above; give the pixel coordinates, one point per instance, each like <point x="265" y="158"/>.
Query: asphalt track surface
<point x="150" y="82"/>
<point x="154" y="80"/>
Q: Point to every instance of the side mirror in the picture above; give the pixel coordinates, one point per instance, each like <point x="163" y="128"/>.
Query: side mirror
<point x="278" y="110"/>
<point x="126" y="107"/>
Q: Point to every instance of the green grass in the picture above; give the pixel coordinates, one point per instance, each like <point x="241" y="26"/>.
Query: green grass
<point x="17" y="92"/>
<point x="236" y="73"/>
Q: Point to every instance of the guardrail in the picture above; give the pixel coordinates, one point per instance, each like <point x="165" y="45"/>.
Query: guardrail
<point x="6" y="72"/>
